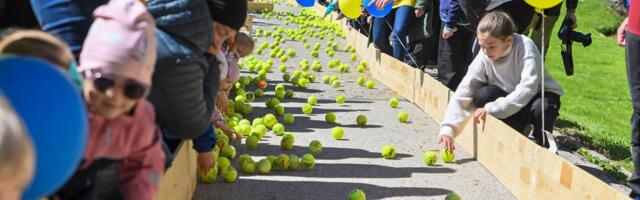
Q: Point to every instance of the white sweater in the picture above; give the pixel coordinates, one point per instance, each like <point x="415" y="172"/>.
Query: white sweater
<point x="517" y="73"/>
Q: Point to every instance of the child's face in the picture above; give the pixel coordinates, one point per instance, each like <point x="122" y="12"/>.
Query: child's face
<point x="111" y="95"/>
<point x="243" y="50"/>
<point x="222" y="33"/>
<point x="12" y="188"/>
<point x="495" y="48"/>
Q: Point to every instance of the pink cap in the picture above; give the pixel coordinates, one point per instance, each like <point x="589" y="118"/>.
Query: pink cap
<point x="121" y="41"/>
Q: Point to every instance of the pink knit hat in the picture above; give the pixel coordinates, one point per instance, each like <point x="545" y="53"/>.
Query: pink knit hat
<point x="121" y="41"/>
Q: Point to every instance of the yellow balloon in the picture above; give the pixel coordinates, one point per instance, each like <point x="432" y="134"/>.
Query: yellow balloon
<point x="543" y="4"/>
<point x="350" y="8"/>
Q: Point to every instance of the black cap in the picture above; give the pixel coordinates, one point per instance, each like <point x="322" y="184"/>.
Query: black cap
<point x="231" y="13"/>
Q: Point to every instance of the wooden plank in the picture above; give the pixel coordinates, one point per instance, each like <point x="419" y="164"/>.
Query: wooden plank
<point x="254" y="7"/>
<point x="179" y="181"/>
<point x="248" y="22"/>
<point x="431" y="96"/>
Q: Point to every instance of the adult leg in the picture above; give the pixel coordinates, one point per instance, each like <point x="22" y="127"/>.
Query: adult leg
<point x="633" y="76"/>
<point x="380" y="33"/>
<point x="454" y="57"/>
<point x="402" y="19"/>
<point x="535" y="29"/>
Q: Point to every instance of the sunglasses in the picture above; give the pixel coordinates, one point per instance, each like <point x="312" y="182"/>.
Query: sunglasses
<point x="132" y="89"/>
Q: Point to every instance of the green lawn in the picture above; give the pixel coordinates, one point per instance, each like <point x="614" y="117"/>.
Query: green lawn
<point x="596" y="97"/>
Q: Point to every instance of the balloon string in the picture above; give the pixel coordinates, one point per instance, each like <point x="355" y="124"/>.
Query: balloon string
<point x="543" y="78"/>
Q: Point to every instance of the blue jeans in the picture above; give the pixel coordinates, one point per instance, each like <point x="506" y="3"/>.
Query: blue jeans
<point x="69" y="20"/>
<point x="399" y="18"/>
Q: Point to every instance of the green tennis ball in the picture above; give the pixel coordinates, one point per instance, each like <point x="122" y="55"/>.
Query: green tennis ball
<point x="294" y="162"/>
<point x="453" y="196"/>
<point x="272" y="159"/>
<point x="280" y="87"/>
<point x="388" y="152"/>
<point x="289" y="118"/>
<point x="278" y="109"/>
<point x="371" y="84"/>
<point x="337" y="132"/>
<point x="222" y="141"/>
<point x="307" y="45"/>
<point x="315" y="53"/>
<point x="363" y="63"/>
<point x="312" y="100"/>
<point x="282" y="162"/>
<point x="340" y="99"/>
<point x="282" y="68"/>
<point x="315" y="147"/>
<point x="307" y="109"/>
<point x="270" y="120"/>
<point x="209" y="176"/>
<point x="286" y="143"/>
<point x="250" y="96"/>
<point x="248" y="166"/>
<point x="326" y="79"/>
<point x="288" y="94"/>
<point x="278" y="129"/>
<point x="229" y="175"/>
<point x="360" y="69"/>
<point x="280" y="94"/>
<point x="244" y="157"/>
<point x="263" y="166"/>
<point x="229" y="152"/>
<point x="361" y="120"/>
<point x="361" y="81"/>
<point x="303" y="82"/>
<point x="308" y="161"/>
<point x="447" y="156"/>
<point x="357" y="194"/>
<point x="252" y="142"/>
<point x="257" y="121"/>
<point x="429" y="158"/>
<point x="335" y="84"/>
<point x="403" y="116"/>
<point x="393" y="102"/>
<point x="354" y="57"/>
<point x="223" y="163"/>
<point x="330" y="117"/>
<point x="333" y="78"/>
<point x="331" y="53"/>
<point x="240" y="99"/>
<point x="259" y="92"/>
<point x="286" y="77"/>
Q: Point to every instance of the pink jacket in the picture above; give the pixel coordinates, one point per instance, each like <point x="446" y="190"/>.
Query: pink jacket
<point x="137" y="142"/>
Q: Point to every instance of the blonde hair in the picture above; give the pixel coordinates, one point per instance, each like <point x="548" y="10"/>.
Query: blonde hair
<point x="243" y="40"/>
<point x="498" y="24"/>
<point x="16" y="149"/>
<point x="37" y="44"/>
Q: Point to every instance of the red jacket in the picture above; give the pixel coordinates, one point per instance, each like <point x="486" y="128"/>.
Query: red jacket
<point x="137" y="142"/>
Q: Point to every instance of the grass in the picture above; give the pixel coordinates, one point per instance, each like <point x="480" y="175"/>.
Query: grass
<point x="596" y="106"/>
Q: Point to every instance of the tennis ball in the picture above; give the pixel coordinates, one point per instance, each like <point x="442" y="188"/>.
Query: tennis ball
<point x="229" y="152"/>
<point x="248" y="166"/>
<point x="229" y="175"/>
<point x="447" y="156"/>
<point x="326" y="79"/>
<point x="315" y="53"/>
<point x="284" y="58"/>
<point x="354" y="57"/>
<point x="294" y="162"/>
<point x="282" y="162"/>
<point x="245" y="129"/>
<point x="308" y="161"/>
<point x="330" y="117"/>
<point x="335" y="84"/>
<point x="280" y="87"/>
<point x="429" y="158"/>
<point x="337" y="132"/>
<point x="240" y="99"/>
<point x="360" y="69"/>
<point x="279" y="109"/>
<point x="286" y="77"/>
<point x="259" y="131"/>
<point x="393" y="102"/>
<point x="244" y="157"/>
<point x="252" y="142"/>
<point x="287" y="141"/>
<point x="288" y="94"/>
<point x="280" y="94"/>
<point x="278" y="129"/>
<point x="357" y="194"/>
<point x="315" y="147"/>
<point x="453" y="196"/>
<point x="316" y="46"/>
<point x="270" y="120"/>
<point x="289" y="118"/>
<point x="209" y="176"/>
<point x="307" y="45"/>
<point x="216" y="151"/>
<point x="223" y="163"/>
<point x="222" y="141"/>
<point x="361" y="120"/>
<point x="331" y="53"/>
<point x="388" y="152"/>
<point x="303" y="82"/>
<point x="312" y="100"/>
<point x="291" y="52"/>
<point x="333" y="78"/>
<point x="263" y="166"/>
<point x="403" y="116"/>
<point x="259" y="92"/>
<point x="257" y="121"/>
<point x="340" y="99"/>
<point x="307" y="109"/>
<point x="371" y="84"/>
<point x="361" y="81"/>
<point x="363" y="63"/>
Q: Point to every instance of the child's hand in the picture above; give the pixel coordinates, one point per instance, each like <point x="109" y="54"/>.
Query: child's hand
<point x="447" y="33"/>
<point x="205" y="161"/>
<point x="221" y="102"/>
<point x="479" y="115"/>
<point x="447" y="142"/>
<point x="232" y="135"/>
<point x="419" y="12"/>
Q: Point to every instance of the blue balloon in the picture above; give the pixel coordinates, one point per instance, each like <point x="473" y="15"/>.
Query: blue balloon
<point x="306" y="3"/>
<point x="55" y="116"/>
<point x="373" y="10"/>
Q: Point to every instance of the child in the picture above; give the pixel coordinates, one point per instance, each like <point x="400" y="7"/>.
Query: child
<point x="16" y="153"/>
<point x="44" y="46"/>
<point x="123" y="158"/>
<point x="242" y="46"/>
<point x="504" y="81"/>
<point x="454" y="47"/>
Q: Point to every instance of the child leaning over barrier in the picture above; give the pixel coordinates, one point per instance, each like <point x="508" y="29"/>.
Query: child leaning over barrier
<point x="504" y="81"/>
<point x="123" y="158"/>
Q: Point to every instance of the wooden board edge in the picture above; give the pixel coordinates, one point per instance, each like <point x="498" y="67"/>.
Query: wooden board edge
<point x="253" y="7"/>
<point x="180" y="180"/>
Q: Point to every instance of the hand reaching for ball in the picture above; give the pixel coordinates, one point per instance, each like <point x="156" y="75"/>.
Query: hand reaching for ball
<point x="447" y="141"/>
<point x="205" y="161"/>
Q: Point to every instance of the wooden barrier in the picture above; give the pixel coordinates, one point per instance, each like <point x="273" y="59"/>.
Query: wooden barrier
<point x="248" y="22"/>
<point x="527" y="170"/>
<point x="253" y="7"/>
<point x="179" y="181"/>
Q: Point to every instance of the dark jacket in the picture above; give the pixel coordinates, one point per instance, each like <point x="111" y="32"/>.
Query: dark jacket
<point x="424" y="27"/>
<point x="451" y="14"/>
<point x="185" y="80"/>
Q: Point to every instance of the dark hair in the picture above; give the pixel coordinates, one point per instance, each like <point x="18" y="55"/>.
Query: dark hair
<point x="497" y="24"/>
